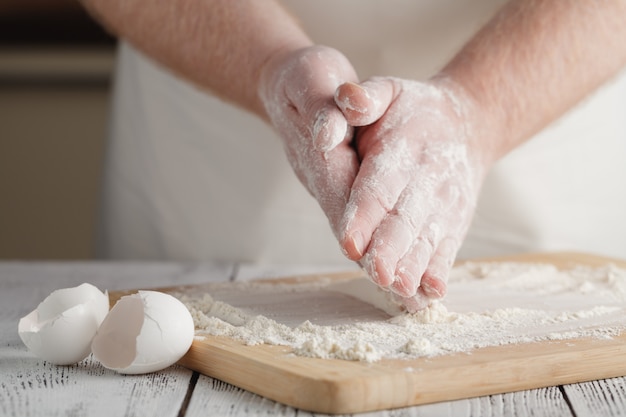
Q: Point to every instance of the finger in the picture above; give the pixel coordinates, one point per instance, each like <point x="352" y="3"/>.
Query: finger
<point x="416" y="205"/>
<point x="392" y="239"/>
<point x="328" y="176"/>
<point x="402" y="235"/>
<point x="333" y="174"/>
<point x="329" y="128"/>
<point x="376" y="189"/>
<point x="365" y="103"/>
<point x="411" y="267"/>
<point x="435" y="278"/>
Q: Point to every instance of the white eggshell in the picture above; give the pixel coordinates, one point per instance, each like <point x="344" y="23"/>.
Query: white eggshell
<point x="144" y="332"/>
<point x="61" y="328"/>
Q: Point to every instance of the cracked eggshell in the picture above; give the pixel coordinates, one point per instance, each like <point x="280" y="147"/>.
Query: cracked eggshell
<point x="144" y="332"/>
<point x="61" y="328"/>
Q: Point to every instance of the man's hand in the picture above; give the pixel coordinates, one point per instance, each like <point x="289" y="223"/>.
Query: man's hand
<point x="297" y="90"/>
<point x="417" y="186"/>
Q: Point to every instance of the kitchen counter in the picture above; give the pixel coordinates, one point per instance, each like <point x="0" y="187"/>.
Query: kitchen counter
<point x="31" y="387"/>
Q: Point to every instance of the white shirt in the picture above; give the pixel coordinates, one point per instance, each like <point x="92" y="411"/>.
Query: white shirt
<point x="189" y="177"/>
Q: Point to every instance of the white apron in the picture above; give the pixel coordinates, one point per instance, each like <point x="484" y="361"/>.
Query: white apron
<point x="189" y="177"/>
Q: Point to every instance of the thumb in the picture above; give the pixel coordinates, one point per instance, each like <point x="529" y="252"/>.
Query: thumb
<point x="363" y="104"/>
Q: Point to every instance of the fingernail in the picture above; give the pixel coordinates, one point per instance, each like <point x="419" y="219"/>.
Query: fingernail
<point x="433" y="288"/>
<point x="405" y="288"/>
<point x="358" y="242"/>
<point x="329" y="130"/>
<point x="398" y="288"/>
<point x="367" y="263"/>
<point x="348" y="102"/>
<point x="320" y="129"/>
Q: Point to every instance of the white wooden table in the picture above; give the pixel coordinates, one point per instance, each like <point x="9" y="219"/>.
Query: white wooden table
<point x="31" y="387"/>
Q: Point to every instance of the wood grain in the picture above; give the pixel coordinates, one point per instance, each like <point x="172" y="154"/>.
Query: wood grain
<point x="335" y="386"/>
<point x="589" y="399"/>
<point x="32" y="387"/>
<point x="214" y="397"/>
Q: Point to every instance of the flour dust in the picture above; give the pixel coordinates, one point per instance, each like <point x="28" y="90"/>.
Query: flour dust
<point x="489" y="304"/>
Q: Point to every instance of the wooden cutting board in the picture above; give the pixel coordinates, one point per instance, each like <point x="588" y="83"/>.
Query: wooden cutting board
<point x="337" y="386"/>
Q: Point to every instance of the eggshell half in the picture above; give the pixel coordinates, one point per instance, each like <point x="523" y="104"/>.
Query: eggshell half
<point x="61" y="328"/>
<point x="144" y="332"/>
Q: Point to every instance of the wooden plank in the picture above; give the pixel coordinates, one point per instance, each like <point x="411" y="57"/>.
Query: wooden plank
<point x="333" y="386"/>
<point x="598" y="398"/>
<point x="31" y="387"/>
<point x="214" y="397"/>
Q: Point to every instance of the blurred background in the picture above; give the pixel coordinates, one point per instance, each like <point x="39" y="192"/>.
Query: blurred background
<point x="55" y="74"/>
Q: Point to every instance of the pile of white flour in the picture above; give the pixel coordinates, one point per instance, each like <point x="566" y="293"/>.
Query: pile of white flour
<point x="488" y="304"/>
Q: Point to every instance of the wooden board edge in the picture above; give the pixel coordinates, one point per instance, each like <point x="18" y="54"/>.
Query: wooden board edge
<point x="330" y="391"/>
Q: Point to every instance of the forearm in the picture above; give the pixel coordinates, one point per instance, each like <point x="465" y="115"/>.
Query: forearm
<point x="220" y="45"/>
<point x="534" y="61"/>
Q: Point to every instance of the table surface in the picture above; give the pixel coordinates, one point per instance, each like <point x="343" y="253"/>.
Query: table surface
<point x="32" y="387"/>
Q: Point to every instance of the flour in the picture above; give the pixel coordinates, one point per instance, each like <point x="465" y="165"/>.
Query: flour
<point x="489" y="304"/>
